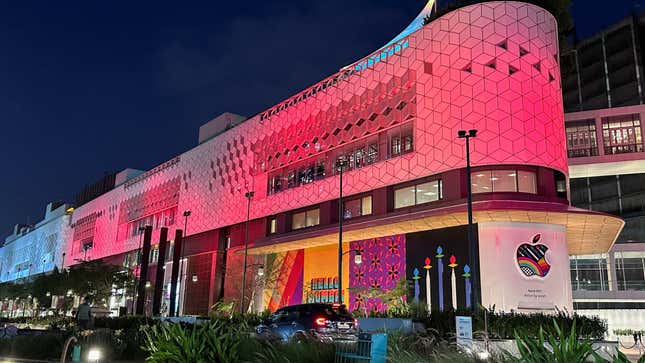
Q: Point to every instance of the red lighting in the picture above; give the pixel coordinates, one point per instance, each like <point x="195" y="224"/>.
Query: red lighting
<point x="427" y="261"/>
<point x="321" y="322"/>
<point x="453" y="259"/>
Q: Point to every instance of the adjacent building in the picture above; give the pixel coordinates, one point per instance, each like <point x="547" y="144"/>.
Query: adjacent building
<point x="607" y="173"/>
<point x="606" y="70"/>
<point x="36" y="249"/>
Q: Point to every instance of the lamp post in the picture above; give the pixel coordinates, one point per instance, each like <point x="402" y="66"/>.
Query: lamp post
<point x="182" y="297"/>
<point x="141" y="229"/>
<point x="249" y="196"/>
<point x="463" y="134"/>
<point x="340" y="164"/>
<point x="62" y="265"/>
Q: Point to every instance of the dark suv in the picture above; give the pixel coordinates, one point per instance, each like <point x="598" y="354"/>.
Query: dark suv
<point x="318" y="321"/>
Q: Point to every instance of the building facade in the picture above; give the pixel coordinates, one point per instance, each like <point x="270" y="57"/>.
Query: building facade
<point x="394" y="117"/>
<point x="607" y="69"/>
<point x="607" y="174"/>
<point x="36" y="249"/>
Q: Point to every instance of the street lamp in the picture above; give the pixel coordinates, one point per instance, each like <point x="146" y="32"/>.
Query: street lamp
<point x="141" y="229"/>
<point x="340" y="164"/>
<point x="358" y="257"/>
<point x="462" y="134"/>
<point x="249" y="195"/>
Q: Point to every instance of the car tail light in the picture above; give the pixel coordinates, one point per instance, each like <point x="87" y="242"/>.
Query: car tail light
<point x="355" y="323"/>
<point x="321" y="322"/>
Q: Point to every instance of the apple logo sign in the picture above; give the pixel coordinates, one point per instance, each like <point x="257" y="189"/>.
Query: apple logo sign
<point x="531" y="258"/>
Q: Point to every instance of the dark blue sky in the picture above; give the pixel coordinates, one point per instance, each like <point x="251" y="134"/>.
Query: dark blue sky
<point x="89" y="86"/>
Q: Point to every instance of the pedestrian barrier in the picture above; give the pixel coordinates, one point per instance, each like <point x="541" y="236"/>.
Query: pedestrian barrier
<point x="369" y="348"/>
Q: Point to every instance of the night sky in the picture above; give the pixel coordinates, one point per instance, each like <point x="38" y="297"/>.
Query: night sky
<point x="93" y="86"/>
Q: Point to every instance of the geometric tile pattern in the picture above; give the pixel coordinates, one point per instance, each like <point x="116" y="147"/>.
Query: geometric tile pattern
<point x="491" y="66"/>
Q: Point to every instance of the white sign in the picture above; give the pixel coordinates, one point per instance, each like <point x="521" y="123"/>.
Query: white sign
<point x="464" y="331"/>
<point x="524" y="267"/>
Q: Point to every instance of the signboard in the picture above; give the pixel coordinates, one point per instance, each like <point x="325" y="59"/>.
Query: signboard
<point x="464" y="331"/>
<point x="524" y="267"/>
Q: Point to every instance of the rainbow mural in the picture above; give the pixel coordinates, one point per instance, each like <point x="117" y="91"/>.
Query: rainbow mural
<point x="283" y="279"/>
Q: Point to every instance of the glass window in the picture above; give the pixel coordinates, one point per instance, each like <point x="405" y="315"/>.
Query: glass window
<point x="418" y="194"/>
<point x="504" y="180"/>
<point x="481" y="182"/>
<point x="404" y="197"/>
<point x="428" y="192"/>
<point x="313" y="217"/>
<point x="622" y="134"/>
<point x="581" y="138"/>
<point x="352" y="208"/>
<point x="273" y="225"/>
<point x="632" y="188"/>
<point x="589" y="272"/>
<point x="630" y="270"/>
<point x="604" y="194"/>
<point x="357" y="207"/>
<point x="487" y="181"/>
<point x="298" y="220"/>
<point x="305" y="219"/>
<point x="291" y="179"/>
<point x="526" y="182"/>
<point x="372" y="153"/>
<point x="366" y="207"/>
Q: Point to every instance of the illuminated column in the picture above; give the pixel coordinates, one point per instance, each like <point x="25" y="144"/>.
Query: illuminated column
<point x="466" y="276"/>
<point x="453" y="281"/>
<point x="440" y="268"/>
<point x="428" y="291"/>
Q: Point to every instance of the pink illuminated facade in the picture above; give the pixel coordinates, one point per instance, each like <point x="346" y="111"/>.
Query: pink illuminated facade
<point x="394" y="116"/>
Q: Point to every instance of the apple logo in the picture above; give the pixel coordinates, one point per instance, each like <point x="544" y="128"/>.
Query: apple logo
<point x="531" y="258"/>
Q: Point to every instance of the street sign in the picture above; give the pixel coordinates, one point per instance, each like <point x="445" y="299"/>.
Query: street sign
<point x="464" y="331"/>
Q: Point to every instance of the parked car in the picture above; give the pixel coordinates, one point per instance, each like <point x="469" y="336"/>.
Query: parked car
<point x="323" y="322"/>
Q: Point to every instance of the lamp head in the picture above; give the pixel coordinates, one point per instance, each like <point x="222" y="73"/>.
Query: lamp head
<point x="186" y="213"/>
<point x="358" y="258"/>
<point x="472" y="133"/>
<point x="261" y="270"/>
<point x="461" y="134"/>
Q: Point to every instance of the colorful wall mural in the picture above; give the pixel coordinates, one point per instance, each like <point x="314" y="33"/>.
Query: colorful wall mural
<point x="321" y="274"/>
<point x="283" y="279"/>
<point x="437" y="266"/>
<point x="382" y="267"/>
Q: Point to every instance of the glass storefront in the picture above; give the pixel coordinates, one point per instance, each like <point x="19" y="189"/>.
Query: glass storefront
<point x="589" y="272"/>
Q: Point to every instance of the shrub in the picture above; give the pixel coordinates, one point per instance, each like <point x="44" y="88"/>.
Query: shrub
<point x="217" y="341"/>
<point x="304" y="351"/>
<point x="504" y="325"/>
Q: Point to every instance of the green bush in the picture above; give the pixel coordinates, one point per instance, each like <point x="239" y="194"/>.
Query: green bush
<point x="559" y="347"/>
<point x="218" y="341"/>
<point x="304" y="351"/>
<point x="504" y="325"/>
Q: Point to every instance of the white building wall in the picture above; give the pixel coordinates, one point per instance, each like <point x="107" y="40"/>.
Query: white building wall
<point x="37" y="251"/>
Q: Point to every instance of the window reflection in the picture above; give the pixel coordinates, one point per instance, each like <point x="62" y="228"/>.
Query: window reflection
<point x="418" y="194"/>
<point x="505" y="180"/>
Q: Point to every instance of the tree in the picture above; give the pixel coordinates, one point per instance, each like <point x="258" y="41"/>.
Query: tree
<point x="99" y="280"/>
